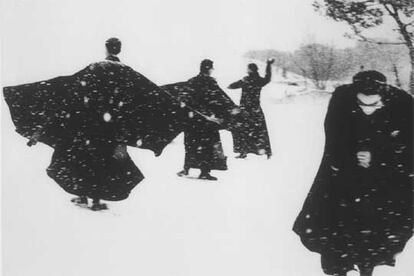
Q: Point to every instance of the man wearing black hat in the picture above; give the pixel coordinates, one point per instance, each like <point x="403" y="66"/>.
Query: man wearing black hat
<point x="203" y="147"/>
<point x="359" y="211"/>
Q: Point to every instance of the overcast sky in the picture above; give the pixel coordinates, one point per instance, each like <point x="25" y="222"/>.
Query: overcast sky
<point x="165" y="39"/>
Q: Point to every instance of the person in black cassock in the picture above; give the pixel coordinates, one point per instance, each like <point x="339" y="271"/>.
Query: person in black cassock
<point x="359" y="211"/>
<point x="203" y="148"/>
<point x="121" y="161"/>
<point x="89" y="118"/>
<point x="252" y="136"/>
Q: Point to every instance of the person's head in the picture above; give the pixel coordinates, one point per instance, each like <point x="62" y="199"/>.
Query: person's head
<point x="206" y="67"/>
<point x="113" y="46"/>
<point x="370" y="82"/>
<point x="252" y="69"/>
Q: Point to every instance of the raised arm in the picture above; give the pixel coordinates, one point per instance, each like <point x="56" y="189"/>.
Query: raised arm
<point x="268" y="75"/>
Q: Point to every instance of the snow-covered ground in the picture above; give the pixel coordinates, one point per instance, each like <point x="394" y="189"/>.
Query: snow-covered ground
<point x="171" y="226"/>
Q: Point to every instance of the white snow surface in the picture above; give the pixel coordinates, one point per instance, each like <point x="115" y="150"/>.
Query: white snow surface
<point x="171" y="226"/>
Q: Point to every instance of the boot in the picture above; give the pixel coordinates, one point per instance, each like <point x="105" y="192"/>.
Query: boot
<point x="365" y="271"/>
<point x="241" y="156"/>
<point x="98" y="206"/>
<point x="81" y="200"/>
<point x="207" y="176"/>
<point x="183" y="172"/>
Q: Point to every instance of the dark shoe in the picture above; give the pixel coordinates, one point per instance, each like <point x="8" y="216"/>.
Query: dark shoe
<point x="183" y="173"/>
<point x="207" y="177"/>
<point x="99" y="207"/>
<point x="241" y="156"/>
<point x="365" y="271"/>
<point x="81" y="200"/>
<point x="269" y="155"/>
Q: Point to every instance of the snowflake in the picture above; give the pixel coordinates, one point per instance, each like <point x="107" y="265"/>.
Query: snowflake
<point x="107" y="117"/>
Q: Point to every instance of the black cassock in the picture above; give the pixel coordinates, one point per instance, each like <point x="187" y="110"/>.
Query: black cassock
<point x="252" y="135"/>
<point x="89" y="118"/>
<point x="203" y="148"/>
<point x="353" y="215"/>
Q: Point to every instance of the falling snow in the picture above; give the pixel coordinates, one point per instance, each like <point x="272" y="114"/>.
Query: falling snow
<point x="244" y="218"/>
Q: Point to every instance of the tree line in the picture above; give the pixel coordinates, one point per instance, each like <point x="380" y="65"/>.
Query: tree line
<point x="322" y="63"/>
<point x="396" y="16"/>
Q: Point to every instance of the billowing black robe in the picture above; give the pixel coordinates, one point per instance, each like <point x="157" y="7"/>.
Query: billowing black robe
<point x="354" y="215"/>
<point x="252" y="135"/>
<point x="89" y="118"/>
<point x="203" y="146"/>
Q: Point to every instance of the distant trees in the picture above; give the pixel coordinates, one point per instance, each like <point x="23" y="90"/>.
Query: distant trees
<point x="322" y="63"/>
<point x="283" y="60"/>
<point x="362" y="15"/>
<point x="319" y="63"/>
<point x="393" y="60"/>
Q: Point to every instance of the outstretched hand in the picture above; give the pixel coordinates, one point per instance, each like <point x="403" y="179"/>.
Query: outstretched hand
<point x="120" y="152"/>
<point x="33" y="140"/>
<point x="270" y="61"/>
<point x="364" y="159"/>
<point x="215" y="120"/>
<point x="235" y="111"/>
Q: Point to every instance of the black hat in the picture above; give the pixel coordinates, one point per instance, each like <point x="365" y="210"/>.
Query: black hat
<point x="370" y="82"/>
<point x="113" y="45"/>
<point x="369" y="76"/>
<point x="206" y="65"/>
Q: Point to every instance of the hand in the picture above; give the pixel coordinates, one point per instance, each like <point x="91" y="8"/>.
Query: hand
<point x="235" y="111"/>
<point x="33" y="140"/>
<point x="364" y="159"/>
<point x="120" y="152"/>
<point x="270" y="61"/>
<point x="215" y="120"/>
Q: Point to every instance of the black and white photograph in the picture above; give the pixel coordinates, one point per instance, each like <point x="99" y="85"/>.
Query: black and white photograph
<point x="207" y="138"/>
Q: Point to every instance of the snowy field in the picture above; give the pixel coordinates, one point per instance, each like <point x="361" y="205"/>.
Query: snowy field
<point x="171" y="226"/>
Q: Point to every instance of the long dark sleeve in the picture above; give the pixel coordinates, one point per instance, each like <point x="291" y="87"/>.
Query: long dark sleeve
<point x="236" y="85"/>
<point x="398" y="152"/>
<point x="268" y="75"/>
<point x="337" y="131"/>
<point x="221" y="97"/>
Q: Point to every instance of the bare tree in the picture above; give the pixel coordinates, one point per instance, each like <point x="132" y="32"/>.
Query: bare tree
<point x="390" y="59"/>
<point x="366" y="14"/>
<point x="319" y="63"/>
